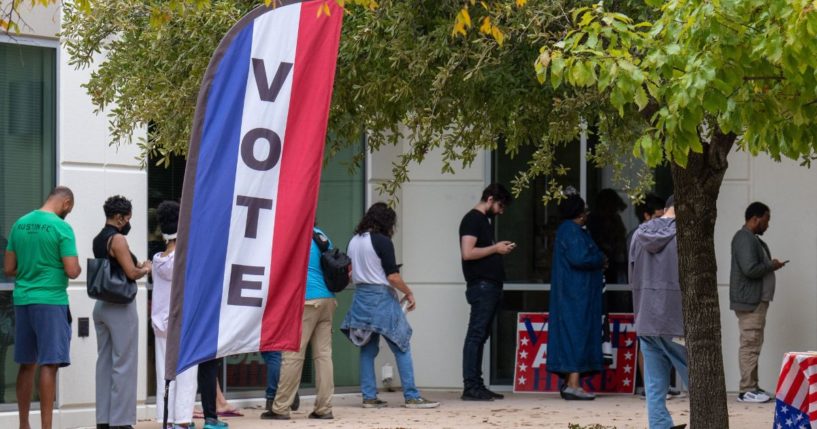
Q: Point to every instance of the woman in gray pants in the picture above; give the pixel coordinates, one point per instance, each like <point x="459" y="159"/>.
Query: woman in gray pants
<point x="117" y="325"/>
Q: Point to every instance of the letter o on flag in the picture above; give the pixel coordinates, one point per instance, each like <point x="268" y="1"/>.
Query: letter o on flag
<point x="248" y="146"/>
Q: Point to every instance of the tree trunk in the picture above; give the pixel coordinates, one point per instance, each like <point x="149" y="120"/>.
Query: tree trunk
<point x="696" y="195"/>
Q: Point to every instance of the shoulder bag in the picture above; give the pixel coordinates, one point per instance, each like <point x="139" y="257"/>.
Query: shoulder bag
<point x="107" y="283"/>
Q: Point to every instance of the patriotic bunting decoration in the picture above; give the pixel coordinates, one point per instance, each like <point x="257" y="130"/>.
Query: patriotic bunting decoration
<point x="251" y="185"/>
<point x="796" y="396"/>
<point x="531" y="374"/>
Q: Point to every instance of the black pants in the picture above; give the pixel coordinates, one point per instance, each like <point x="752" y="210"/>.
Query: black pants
<point x="208" y="375"/>
<point x="484" y="298"/>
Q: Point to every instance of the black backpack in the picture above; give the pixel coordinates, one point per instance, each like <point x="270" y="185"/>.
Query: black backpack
<point x="336" y="265"/>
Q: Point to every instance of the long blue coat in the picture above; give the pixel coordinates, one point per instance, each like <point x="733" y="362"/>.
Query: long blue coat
<point x="574" y="332"/>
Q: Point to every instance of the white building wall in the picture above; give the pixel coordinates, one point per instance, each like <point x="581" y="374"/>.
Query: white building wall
<point x="788" y="189"/>
<point x="94" y="171"/>
<point x="430" y="208"/>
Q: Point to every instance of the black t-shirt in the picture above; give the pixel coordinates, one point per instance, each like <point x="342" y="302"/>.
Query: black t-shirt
<point x="477" y="224"/>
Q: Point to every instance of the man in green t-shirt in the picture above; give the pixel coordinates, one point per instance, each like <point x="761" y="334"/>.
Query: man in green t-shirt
<point x="42" y="255"/>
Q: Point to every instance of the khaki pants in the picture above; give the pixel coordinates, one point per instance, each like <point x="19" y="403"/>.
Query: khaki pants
<point x="751" y="325"/>
<point x="317" y="331"/>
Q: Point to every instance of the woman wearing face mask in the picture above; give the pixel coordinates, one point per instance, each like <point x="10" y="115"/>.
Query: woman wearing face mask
<point x="117" y="325"/>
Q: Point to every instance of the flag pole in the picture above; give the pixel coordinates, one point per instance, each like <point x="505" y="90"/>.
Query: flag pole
<point x="167" y="391"/>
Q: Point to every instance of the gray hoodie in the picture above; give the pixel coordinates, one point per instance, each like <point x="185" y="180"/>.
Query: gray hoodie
<point x="654" y="279"/>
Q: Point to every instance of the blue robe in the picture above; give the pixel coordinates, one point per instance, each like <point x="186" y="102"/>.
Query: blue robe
<point x="574" y="331"/>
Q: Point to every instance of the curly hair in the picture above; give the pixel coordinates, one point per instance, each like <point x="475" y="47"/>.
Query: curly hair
<point x="168" y="216"/>
<point x="380" y="218"/>
<point x="117" y="204"/>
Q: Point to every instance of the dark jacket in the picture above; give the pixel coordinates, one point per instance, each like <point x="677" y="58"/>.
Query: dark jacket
<point x="750" y="263"/>
<point x="655" y="281"/>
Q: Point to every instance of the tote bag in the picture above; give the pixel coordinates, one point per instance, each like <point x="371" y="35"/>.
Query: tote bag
<point x="107" y="283"/>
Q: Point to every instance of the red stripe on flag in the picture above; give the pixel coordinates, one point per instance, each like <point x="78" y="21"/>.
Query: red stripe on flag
<point x="299" y="181"/>
<point x="795" y="389"/>
<point x="782" y="389"/>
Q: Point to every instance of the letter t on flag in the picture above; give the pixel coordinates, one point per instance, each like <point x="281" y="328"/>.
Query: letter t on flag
<point x="251" y="185"/>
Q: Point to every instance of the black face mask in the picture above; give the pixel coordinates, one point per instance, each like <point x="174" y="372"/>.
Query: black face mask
<point x="62" y="215"/>
<point x="125" y="229"/>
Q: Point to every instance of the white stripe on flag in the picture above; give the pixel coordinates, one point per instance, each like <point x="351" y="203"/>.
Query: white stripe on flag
<point x="274" y="39"/>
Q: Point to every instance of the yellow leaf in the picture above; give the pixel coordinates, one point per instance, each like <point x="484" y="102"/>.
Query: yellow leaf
<point x="461" y="22"/>
<point x="498" y="36"/>
<point x="459" y="28"/>
<point x="486" y="26"/>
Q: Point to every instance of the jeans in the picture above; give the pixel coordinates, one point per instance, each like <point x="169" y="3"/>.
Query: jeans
<point x="273" y="361"/>
<point x="484" y="298"/>
<point x="660" y="355"/>
<point x="405" y="366"/>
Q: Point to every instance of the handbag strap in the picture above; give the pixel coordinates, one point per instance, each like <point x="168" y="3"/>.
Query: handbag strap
<point x="110" y="239"/>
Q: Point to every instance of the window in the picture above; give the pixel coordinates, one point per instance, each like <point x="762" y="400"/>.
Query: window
<point x="27" y="165"/>
<point x="532" y="226"/>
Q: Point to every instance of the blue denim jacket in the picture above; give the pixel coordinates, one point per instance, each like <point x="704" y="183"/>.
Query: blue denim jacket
<point x="376" y="308"/>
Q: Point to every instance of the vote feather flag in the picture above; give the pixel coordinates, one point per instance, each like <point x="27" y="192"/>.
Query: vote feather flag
<point x="251" y="185"/>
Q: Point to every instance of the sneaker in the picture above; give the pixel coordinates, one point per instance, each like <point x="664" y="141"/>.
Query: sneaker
<point x="327" y="416"/>
<point x="477" y="395"/>
<point x="493" y="394"/>
<point x="211" y="423"/>
<point x="576" y="394"/>
<point x="757" y="397"/>
<point x="421" y="403"/>
<point x="374" y="403"/>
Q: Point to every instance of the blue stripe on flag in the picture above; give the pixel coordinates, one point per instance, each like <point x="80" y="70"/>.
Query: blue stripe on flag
<point x="212" y="204"/>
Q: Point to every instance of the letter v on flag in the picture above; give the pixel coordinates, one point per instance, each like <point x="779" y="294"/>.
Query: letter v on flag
<point x="251" y="185"/>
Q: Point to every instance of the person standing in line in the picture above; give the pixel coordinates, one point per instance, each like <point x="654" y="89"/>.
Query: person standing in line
<point x="182" y="393"/>
<point x="41" y="255"/>
<point x="659" y="319"/>
<point x="117" y="325"/>
<point x="574" y="323"/>
<point x="375" y="309"/>
<point x="319" y="308"/>
<point x="751" y="289"/>
<point x="484" y="273"/>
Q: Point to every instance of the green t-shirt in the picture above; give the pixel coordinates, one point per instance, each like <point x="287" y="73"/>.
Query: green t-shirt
<point x="40" y="240"/>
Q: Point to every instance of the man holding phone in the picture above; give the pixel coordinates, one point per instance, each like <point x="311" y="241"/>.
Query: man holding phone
<point x="751" y="288"/>
<point x="484" y="273"/>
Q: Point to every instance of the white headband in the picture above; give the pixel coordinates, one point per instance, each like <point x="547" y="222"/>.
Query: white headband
<point x="169" y="237"/>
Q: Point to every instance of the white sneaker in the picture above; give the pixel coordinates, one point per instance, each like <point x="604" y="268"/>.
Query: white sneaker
<point x="757" y="397"/>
